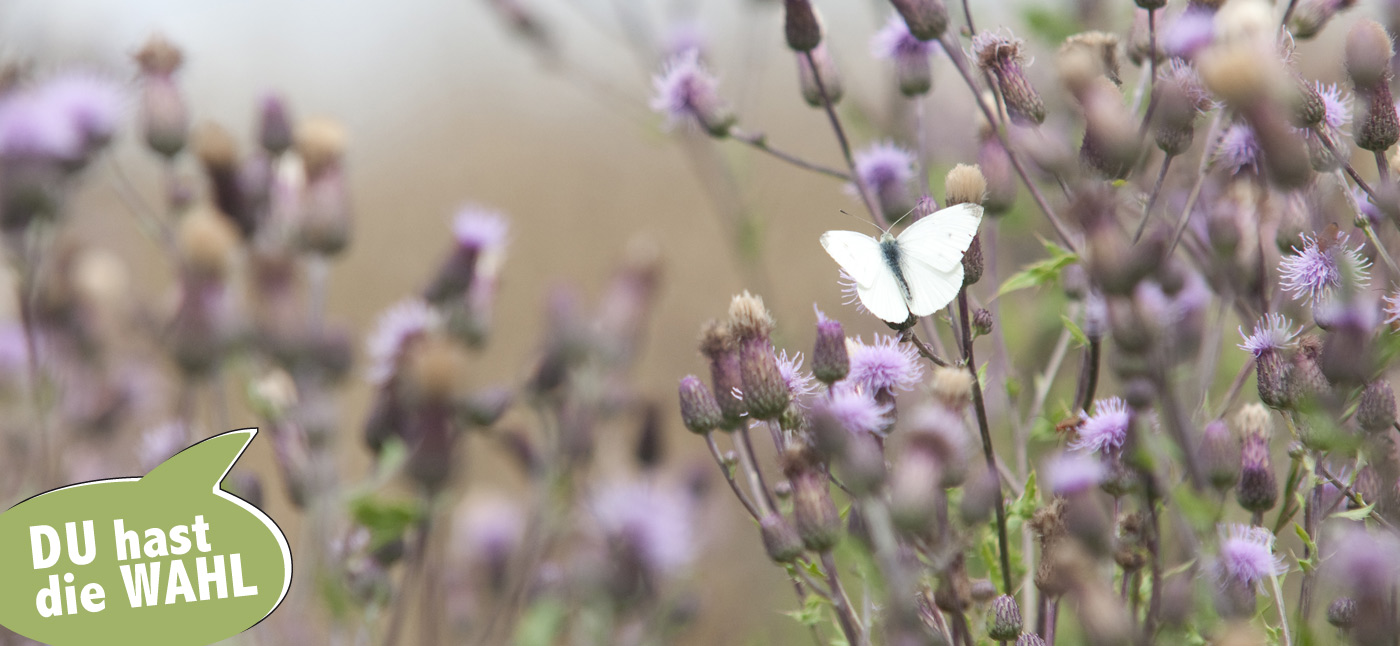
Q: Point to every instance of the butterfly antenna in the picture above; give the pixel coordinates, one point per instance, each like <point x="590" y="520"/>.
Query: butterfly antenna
<point x="864" y="221"/>
<point x="901" y="218"/>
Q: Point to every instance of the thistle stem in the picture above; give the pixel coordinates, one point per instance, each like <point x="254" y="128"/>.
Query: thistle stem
<point x="875" y="214"/>
<point x="759" y="141"/>
<point x="729" y="476"/>
<point x="1003" y="544"/>
<point x="1152" y="199"/>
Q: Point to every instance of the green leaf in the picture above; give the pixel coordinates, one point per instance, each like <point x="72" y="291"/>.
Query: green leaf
<point x="386" y="520"/>
<point x="1360" y="513"/>
<point x="1049" y="23"/>
<point x="1025" y="506"/>
<point x="1080" y="337"/>
<point x="811" y="613"/>
<point x="1040" y="273"/>
<point x="541" y="623"/>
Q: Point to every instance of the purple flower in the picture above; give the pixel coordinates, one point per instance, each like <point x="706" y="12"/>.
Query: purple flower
<point x="684" y="36"/>
<point x="1272" y="333"/>
<point x="398" y="324"/>
<point x="1392" y="308"/>
<point x="487" y="530"/>
<point x="651" y="522"/>
<point x="687" y="94"/>
<point x="484" y="231"/>
<point x="1364" y="561"/>
<point x="884" y="167"/>
<point x="884" y="365"/>
<point x="30" y="128"/>
<point x="1237" y="149"/>
<point x="1311" y="273"/>
<point x="1191" y="32"/>
<point x="1336" y="105"/>
<point x="14" y="351"/>
<point x="1070" y="473"/>
<point x="894" y="42"/>
<point x="1247" y="554"/>
<point x="1105" y="430"/>
<point x="857" y="410"/>
<point x="92" y="104"/>
<point x="799" y="383"/>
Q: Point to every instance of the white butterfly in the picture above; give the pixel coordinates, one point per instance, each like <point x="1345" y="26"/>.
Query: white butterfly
<point x="918" y="272"/>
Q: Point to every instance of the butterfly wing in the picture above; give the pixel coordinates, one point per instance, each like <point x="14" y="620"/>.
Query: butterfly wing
<point x="931" y="252"/>
<point x="861" y="258"/>
<point x="940" y="239"/>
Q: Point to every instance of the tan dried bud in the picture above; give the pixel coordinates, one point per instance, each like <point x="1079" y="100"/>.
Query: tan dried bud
<point x="433" y="368"/>
<point x="215" y="147"/>
<point x="207" y="241"/>
<point x="1101" y="48"/>
<point x="748" y="317"/>
<point x="964" y="185"/>
<point x="321" y="144"/>
<point x="952" y="387"/>
<point x="159" y="56"/>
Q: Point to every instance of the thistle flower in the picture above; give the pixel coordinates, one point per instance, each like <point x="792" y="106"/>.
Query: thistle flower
<point x="1319" y="268"/>
<point x="1392" y="309"/>
<point x="1272" y="333"/>
<point x="1191" y="32"/>
<point x="275" y="132"/>
<point x="1105" y="430"/>
<point x="909" y="54"/>
<point x="1181" y="98"/>
<point x="1066" y="474"/>
<point x="1237" y="149"/>
<point x="647" y="522"/>
<point x="30" y="129"/>
<point x="886" y="170"/>
<point x="719" y="346"/>
<point x="1366" y="563"/>
<point x="687" y="94"/>
<point x="397" y="326"/>
<point x="1247" y="555"/>
<point x="1001" y="55"/>
<point x="857" y="410"/>
<point x="91" y="104"/>
<point x="830" y="363"/>
<point x="883" y="366"/>
<point x="801" y="385"/>
<point x="1258" y="489"/>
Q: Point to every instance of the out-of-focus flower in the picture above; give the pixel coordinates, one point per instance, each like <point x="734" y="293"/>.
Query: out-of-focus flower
<point x="1247" y="555"/>
<point x="856" y="410"/>
<point x="1237" y="149"/>
<point x="1105" y="430"/>
<point x="1272" y="333"/>
<point x="160" y="443"/>
<point x="684" y="36"/>
<point x="1392" y="309"/>
<point x="825" y="69"/>
<point x="884" y="365"/>
<point x="396" y="326"/>
<point x="649" y="522"/>
<point x="885" y="170"/>
<point x="1191" y="32"/>
<point x="830" y="363"/>
<point x="1073" y="472"/>
<point x="1310" y="16"/>
<point x="1313" y="272"/>
<point x="910" y="55"/>
<point x="92" y="104"/>
<point x="688" y="95"/>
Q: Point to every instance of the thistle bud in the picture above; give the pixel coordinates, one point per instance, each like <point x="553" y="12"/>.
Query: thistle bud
<point x="325" y="225"/>
<point x="1004" y="619"/>
<point x="1258" y="489"/>
<point x="983" y="590"/>
<point x="1272" y="373"/>
<point x="766" y="394"/>
<point x="818" y="522"/>
<point x="1030" y="639"/>
<point x="801" y="25"/>
<point x="274" y="125"/>
<point x="982" y="321"/>
<point x="1306" y="380"/>
<point x="1309" y="108"/>
<point x="1342" y="612"/>
<point x="1376" y="410"/>
<point x="164" y="115"/>
<point x="321" y="144"/>
<point x="780" y="540"/>
<point x="1001" y="55"/>
<point x="825" y="70"/>
<point x="927" y="19"/>
<point x="206" y="242"/>
<point x="1310" y="16"/>
<point x="1220" y="455"/>
<point x="913" y="487"/>
<point x="1368" y="54"/>
<point x="218" y="153"/>
<point x="830" y="362"/>
<point x="719" y="346"/>
<point x="995" y="164"/>
<point x="485" y="407"/>
<point x="699" y="412"/>
<point x="1099" y="48"/>
<point x="1378" y="128"/>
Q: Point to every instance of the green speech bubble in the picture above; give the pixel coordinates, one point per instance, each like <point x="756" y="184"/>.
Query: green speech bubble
<point x="168" y="559"/>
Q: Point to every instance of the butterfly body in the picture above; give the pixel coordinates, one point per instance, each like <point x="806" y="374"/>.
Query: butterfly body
<point x="915" y="273"/>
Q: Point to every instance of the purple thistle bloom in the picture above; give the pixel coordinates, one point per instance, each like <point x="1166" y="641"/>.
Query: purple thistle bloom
<point x="883" y="167"/>
<point x="800" y="384"/>
<point x="651" y="521"/>
<point x="1364" y="561"/>
<point x="857" y="411"/>
<point x="884" y="365"/>
<point x="687" y="94"/>
<point x="1070" y="473"/>
<point x="487" y="530"/>
<point x="1272" y="333"/>
<point x="1311" y="273"/>
<point x="1237" y="149"/>
<point x="92" y="104"/>
<point x="484" y="231"/>
<point x="1392" y="308"/>
<point x="1247" y="554"/>
<point x="1336" y="105"/>
<point x="1105" y="430"/>
<point x="894" y="42"/>
<point x="396" y="325"/>
<point x="1191" y="32"/>
<point x="31" y="128"/>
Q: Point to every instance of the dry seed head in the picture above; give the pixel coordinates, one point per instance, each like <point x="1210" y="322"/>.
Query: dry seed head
<point x="215" y="147"/>
<point x="1102" y="48"/>
<point x="1254" y="420"/>
<point x="748" y="317"/>
<point x="1240" y="76"/>
<point x="321" y="143"/>
<point x="715" y="339"/>
<point x="965" y="185"/>
<point x="159" y="56"/>
<point x="207" y="241"/>
<point x="952" y="387"/>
